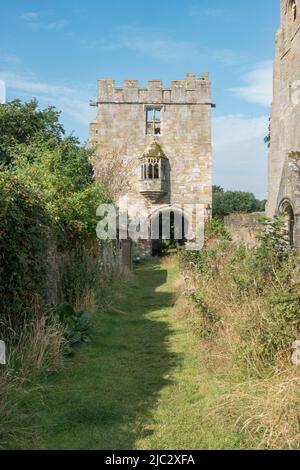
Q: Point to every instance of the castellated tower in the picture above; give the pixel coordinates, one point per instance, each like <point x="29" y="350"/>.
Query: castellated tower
<point x="284" y="174"/>
<point x="165" y="133"/>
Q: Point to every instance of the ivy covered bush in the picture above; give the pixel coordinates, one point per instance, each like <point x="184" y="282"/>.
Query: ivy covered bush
<point x="47" y="189"/>
<point x="23" y="242"/>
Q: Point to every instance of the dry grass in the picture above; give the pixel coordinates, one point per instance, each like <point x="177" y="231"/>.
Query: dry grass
<point x="267" y="411"/>
<point x="169" y="261"/>
<point x="86" y="301"/>
<point x="261" y="397"/>
<point x="38" y="348"/>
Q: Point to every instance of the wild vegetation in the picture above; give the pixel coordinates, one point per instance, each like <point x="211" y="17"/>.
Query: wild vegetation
<point x="246" y="301"/>
<point x="220" y="355"/>
<point x="48" y="201"/>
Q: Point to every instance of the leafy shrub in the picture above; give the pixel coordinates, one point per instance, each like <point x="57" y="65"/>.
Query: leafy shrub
<point x="23" y="243"/>
<point x="274" y="240"/>
<point x="215" y="229"/>
<point x="21" y="123"/>
<point x="63" y="174"/>
<point x="47" y="190"/>
<point x="209" y="319"/>
<point x="77" y="324"/>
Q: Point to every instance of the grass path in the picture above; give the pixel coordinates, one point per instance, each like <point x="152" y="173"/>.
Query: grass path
<point x="138" y="384"/>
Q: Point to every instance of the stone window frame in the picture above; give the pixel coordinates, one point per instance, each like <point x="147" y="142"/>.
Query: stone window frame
<point x="292" y="10"/>
<point x="153" y="122"/>
<point x="153" y="169"/>
<point x="291" y="24"/>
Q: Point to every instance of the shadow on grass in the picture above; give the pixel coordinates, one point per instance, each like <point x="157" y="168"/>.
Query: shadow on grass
<point x="105" y="396"/>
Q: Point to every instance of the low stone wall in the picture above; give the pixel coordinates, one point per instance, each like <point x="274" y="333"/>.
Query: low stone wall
<point x="243" y="227"/>
<point x="116" y="258"/>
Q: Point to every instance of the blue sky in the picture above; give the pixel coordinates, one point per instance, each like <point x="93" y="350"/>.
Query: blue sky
<point x="56" y="51"/>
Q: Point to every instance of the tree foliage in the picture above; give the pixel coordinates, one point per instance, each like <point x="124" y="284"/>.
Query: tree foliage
<point x="23" y="232"/>
<point x="62" y="171"/>
<point x="20" y="123"/>
<point x="229" y="202"/>
<point x="47" y="185"/>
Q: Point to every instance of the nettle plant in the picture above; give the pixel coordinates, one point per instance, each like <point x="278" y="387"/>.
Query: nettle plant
<point x="274" y="240"/>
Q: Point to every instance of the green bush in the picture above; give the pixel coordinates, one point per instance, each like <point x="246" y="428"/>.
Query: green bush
<point x="209" y="319"/>
<point x="77" y="325"/>
<point x="62" y="172"/>
<point x="23" y="244"/>
<point x="215" y="229"/>
<point x="21" y="123"/>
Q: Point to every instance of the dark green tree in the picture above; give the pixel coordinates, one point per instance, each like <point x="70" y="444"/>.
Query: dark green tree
<point x="230" y="202"/>
<point x="20" y="123"/>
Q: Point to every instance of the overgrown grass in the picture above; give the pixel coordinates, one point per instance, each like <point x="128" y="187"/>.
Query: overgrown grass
<point x="34" y="352"/>
<point x="140" y="384"/>
<point x="248" y="303"/>
<point x="38" y="346"/>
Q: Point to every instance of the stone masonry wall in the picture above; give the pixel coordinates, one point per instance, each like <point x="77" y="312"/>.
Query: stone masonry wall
<point x="285" y="118"/>
<point x="185" y="139"/>
<point x="243" y="227"/>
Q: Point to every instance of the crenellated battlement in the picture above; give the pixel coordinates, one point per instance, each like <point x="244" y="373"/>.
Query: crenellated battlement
<point x="190" y="91"/>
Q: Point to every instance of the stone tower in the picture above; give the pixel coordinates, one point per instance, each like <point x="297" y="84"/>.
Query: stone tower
<point x="164" y="132"/>
<point x="284" y="159"/>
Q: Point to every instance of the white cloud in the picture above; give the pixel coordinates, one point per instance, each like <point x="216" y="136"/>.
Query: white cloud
<point x="40" y="21"/>
<point x="157" y="44"/>
<point x="29" y="15"/>
<point x="9" y="60"/>
<point x="237" y="128"/>
<point x="258" y="88"/>
<point x="147" y="42"/>
<point x="30" y="85"/>
<point x="158" y="47"/>
<point x="227" y="57"/>
<point x="240" y="154"/>
<point x="72" y="100"/>
<point x="206" y="11"/>
<point x="59" y="24"/>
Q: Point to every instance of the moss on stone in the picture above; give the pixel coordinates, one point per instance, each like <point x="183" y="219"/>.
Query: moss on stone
<point x="294" y="155"/>
<point x="155" y="151"/>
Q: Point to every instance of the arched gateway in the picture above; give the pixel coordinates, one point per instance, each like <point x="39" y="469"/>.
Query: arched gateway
<point x="170" y="227"/>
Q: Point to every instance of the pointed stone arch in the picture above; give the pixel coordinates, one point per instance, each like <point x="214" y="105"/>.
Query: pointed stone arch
<point x="292" y="9"/>
<point x="286" y="207"/>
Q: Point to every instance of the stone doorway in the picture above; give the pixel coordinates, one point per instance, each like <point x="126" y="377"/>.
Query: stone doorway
<point x="287" y="210"/>
<point x="170" y="228"/>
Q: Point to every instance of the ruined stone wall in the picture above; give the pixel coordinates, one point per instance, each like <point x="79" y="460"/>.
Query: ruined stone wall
<point x="285" y="118"/>
<point x="120" y="127"/>
<point x="243" y="227"/>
